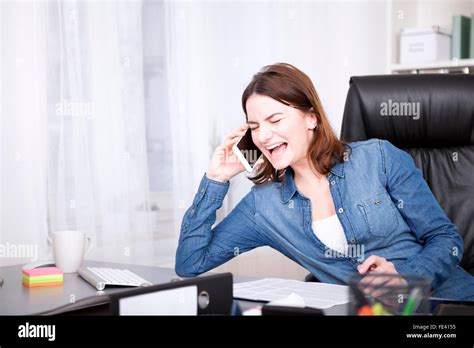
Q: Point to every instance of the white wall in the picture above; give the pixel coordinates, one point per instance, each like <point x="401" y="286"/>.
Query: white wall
<point x="440" y="12"/>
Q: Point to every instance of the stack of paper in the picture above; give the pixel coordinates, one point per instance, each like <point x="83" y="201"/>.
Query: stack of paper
<point x="316" y="295"/>
<point x="47" y="276"/>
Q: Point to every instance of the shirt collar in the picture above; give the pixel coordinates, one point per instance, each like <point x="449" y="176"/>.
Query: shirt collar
<point x="288" y="187"/>
<point x="338" y="169"/>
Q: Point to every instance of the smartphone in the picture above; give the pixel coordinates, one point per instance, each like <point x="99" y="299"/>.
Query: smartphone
<point x="246" y="151"/>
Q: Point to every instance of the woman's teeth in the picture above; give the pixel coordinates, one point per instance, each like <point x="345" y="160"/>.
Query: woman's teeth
<point x="278" y="149"/>
<point x="270" y="148"/>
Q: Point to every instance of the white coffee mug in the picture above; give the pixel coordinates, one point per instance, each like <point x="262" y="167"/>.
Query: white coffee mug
<point x="69" y="249"/>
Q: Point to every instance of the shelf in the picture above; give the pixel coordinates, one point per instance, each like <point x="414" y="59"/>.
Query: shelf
<point x="445" y="66"/>
<point x="419" y="14"/>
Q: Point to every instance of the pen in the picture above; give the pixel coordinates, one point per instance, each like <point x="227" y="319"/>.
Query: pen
<point x="412" y="302"/>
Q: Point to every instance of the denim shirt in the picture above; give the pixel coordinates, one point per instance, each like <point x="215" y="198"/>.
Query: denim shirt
<point x="381" y="199"/>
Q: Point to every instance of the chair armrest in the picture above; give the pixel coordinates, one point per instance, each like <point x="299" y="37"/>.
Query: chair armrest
<point x="311" y="278"/>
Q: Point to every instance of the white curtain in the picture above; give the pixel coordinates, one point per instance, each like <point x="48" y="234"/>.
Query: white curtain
<point x="73" y="128"/>
<point x="23" y="132"/>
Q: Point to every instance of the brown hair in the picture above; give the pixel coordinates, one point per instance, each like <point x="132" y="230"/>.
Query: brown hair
<point x="290" y="86"/>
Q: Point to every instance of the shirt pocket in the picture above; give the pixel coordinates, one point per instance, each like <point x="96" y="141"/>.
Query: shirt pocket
<point x="379" y="215"/>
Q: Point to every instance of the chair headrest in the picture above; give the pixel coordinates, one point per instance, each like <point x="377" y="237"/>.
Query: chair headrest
<point x="411" y="110"/>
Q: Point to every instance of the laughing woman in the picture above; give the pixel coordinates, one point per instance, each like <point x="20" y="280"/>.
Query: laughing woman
<point x="316" y="197"/>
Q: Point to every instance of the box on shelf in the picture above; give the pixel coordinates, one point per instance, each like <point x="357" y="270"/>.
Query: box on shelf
<point x="461" y="37"/>
<point x="471" y="43"/>
<point x="426" y="44"/>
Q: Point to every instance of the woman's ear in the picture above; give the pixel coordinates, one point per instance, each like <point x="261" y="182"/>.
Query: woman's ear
<point x="311" y="120"/>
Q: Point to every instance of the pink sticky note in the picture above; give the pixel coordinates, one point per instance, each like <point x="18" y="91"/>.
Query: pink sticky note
<point x="42" y="271"/>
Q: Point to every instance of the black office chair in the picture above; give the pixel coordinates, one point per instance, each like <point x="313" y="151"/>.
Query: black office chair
<point x="441" y="140"/>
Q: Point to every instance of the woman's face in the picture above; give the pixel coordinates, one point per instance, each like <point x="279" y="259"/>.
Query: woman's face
<point x="281" y="132"/>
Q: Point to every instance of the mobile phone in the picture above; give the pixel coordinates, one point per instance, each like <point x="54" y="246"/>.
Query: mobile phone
<point x="246" y="151"/>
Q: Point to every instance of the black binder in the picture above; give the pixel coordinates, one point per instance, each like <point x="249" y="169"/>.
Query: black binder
<point x="452" y="307"/>
<point x="285" y="311"/>
<point x="214" y="293"/>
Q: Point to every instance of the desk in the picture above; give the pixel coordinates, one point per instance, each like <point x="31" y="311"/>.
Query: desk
<point x="77" y="296"/>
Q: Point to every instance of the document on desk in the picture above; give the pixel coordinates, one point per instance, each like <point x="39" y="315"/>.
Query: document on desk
<point x="315" y="295"/>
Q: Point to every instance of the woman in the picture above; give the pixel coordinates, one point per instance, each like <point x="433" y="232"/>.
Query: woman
<point x="336" y="209"/>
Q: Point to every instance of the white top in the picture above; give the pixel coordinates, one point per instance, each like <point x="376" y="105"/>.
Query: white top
<point x="330" y="232"/>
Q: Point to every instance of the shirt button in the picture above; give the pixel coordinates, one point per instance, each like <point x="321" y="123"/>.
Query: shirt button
<point x="333" y="182"/>
<point x="203" y="190"/>
<point x="353" y="240"/>
<point x="192" y="211"/>
<point x="340" y="210"/>
<point x="304" y="203"/>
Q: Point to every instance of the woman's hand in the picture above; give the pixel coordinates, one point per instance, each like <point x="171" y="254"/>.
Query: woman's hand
<point x="224" y="164"/>
<point x="375" y="284"/>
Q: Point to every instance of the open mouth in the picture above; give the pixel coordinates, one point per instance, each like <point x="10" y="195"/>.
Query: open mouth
<point x="277" y="149"/>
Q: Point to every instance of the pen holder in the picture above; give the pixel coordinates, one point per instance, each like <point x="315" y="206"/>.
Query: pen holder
<point x="389" y="294"/>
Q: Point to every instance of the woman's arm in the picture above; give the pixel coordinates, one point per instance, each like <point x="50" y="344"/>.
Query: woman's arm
<point x="202" y="247"/>
<point x="443" y="246"/>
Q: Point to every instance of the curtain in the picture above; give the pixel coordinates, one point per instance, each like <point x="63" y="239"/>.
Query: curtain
<point x="23" y="132"/>
<point x="73" y="128"/>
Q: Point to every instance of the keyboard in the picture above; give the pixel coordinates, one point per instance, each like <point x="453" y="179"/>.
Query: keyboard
<point x="99" y="277"/>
